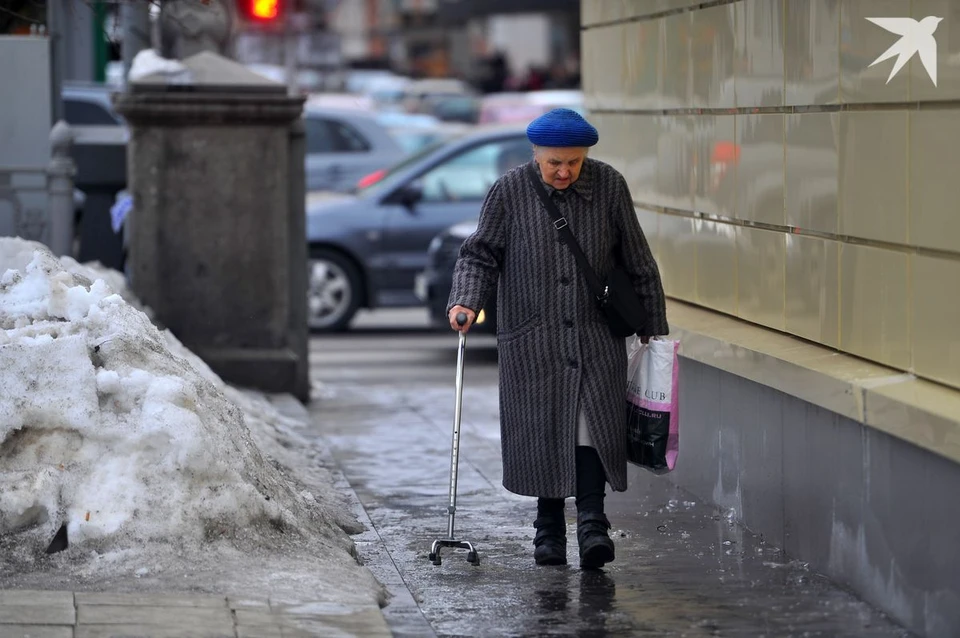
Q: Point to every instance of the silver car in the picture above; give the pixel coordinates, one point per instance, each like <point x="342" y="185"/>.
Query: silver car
<point x="367" y="248"/>
<point x="344" y="146"/>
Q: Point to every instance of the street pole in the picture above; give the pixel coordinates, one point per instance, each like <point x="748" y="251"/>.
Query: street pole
<point x="55" y="37"/>
<point x="290" y="52"/>
<point x="99" y="41"/>
<point x="135" y="22"/>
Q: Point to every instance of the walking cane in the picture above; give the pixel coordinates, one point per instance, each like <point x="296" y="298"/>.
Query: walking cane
<point x="451" y="541"/>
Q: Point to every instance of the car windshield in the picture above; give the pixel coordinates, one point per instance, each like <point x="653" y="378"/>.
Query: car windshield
<point x="390" y="175"/>
<point x="412" y="140"/>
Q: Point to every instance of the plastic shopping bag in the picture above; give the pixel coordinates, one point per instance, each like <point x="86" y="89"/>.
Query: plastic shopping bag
<point x="653" y="417"/>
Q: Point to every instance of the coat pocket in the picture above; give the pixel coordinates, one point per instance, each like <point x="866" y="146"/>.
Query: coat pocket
<point x="521" y="330"/>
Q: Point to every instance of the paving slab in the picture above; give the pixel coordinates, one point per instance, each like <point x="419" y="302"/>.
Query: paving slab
<point x="147" y="631"/>
<point x="150" y="600"/>
<point x="203" y="618"/>
<point x="256" y="618"/>
<point x="309" y="617"/>
<point x="369" y="623"/>
<point x="36" y="615"/>
<point x="35" y="631"/>
<point x="36" y="597"/>
<point x="249" y="603"/>
<point x="259" y="632"/>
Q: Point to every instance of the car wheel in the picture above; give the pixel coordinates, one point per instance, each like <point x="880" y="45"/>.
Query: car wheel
<point x="333" y="291"/>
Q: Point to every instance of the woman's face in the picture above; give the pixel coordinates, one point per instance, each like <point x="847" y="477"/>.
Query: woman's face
<point x="560" y="167"/>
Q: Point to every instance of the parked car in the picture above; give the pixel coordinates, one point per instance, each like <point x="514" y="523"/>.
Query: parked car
<point x="416" y="131"/>
<point x="365" y="249"/>
<point x="89" y="104"/>
<point x="448" y="99"/>
<point x="452" y="108"/>
<point x="341" y="101"/>
<point x="308" y="80"/>
<point x="387" y="92"/>
<point x="433" y="284"/>
<point x="343" y="146"/>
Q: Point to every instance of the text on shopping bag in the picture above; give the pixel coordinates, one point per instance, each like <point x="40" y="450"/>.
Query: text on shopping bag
<point x="653" y="429"/>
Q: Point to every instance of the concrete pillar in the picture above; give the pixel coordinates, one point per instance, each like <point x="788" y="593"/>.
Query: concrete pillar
<point x="76" y="24"/>
<point x="217" y="244"/>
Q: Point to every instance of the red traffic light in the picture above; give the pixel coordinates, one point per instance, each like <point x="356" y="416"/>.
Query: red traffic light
<point x="264" y="9"/>
<point x="260" y="10"/>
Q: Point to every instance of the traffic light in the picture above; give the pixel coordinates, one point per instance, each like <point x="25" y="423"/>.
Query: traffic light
<point x="261" y="11"/>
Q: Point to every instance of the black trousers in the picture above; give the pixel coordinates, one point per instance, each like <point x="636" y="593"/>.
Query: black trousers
<point x="591" y="481"/>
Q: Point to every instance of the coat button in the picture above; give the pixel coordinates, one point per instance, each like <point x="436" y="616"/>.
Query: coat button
<point x="568" y="323"/>
<point x="564" y="280"/>
<point x="573" y="363"/>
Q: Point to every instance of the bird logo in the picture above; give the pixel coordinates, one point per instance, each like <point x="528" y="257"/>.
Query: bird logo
<point x="915" y="37"/>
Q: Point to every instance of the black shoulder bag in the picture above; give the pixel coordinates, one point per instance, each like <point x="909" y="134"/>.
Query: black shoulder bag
<point x="616" y="297"/>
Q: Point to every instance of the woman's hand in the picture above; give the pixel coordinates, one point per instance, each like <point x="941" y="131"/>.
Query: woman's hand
<point x="452" y="316"/>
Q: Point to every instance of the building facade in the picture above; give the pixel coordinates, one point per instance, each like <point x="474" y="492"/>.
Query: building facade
<point x="800" y="203"/>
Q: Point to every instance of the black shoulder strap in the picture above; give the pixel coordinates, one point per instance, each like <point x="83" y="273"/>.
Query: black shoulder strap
<point x="560" y="223"/>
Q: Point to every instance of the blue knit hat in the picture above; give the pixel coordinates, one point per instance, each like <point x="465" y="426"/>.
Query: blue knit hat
<point x="562" y="127"/>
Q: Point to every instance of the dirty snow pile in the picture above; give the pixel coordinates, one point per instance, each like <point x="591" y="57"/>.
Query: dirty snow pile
<point x="111" y="428"/>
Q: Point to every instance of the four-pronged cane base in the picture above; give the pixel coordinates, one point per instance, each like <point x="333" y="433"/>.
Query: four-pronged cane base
<point x="440" y="543"/>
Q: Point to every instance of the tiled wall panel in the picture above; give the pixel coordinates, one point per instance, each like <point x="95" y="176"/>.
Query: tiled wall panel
<point x="947" y="37"/>
<point x="873" y="175"/>
<point x="935" y="318"/>
<point x="713" y="40"/>
<point x="812" y="298"/>
<point x="811" y="171"/>
<point x="759" y="53"/>
<point x="642" y="65"/>
<point x="641" y="138"/>
<point x="861" y="42"/>
<point x="761" y="270"/>
<point x="716" y="246"/>
<point x="875" y="304"/>
<point x="781" y="176"/>
<point x="760" y="168"/>
<point x="934" y="157"/>
<point x="811" y="63"/>
<point x="678" y="257"/>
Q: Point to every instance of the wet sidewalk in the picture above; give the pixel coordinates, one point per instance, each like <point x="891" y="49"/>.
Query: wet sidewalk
<point x="683" y="568"/>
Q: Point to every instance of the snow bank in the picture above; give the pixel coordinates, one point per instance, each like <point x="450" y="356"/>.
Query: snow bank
<point x="148" y="61"/>
<point x="112" y="428"/>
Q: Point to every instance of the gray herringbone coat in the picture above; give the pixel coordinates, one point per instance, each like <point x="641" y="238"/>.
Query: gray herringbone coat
<point x="555" y="349"/>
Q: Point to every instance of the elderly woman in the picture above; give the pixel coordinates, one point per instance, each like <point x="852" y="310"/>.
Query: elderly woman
<point x="563" y="374"/>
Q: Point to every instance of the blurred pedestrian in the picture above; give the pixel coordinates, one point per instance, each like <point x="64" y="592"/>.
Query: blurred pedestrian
<point x="563" y="373"/>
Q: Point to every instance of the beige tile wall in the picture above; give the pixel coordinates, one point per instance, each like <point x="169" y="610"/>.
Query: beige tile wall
<point x="812" y="288"/>
<point x="761" y="276"/>
<point x="782" y="179"/>
<point x="934" y="186"/>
